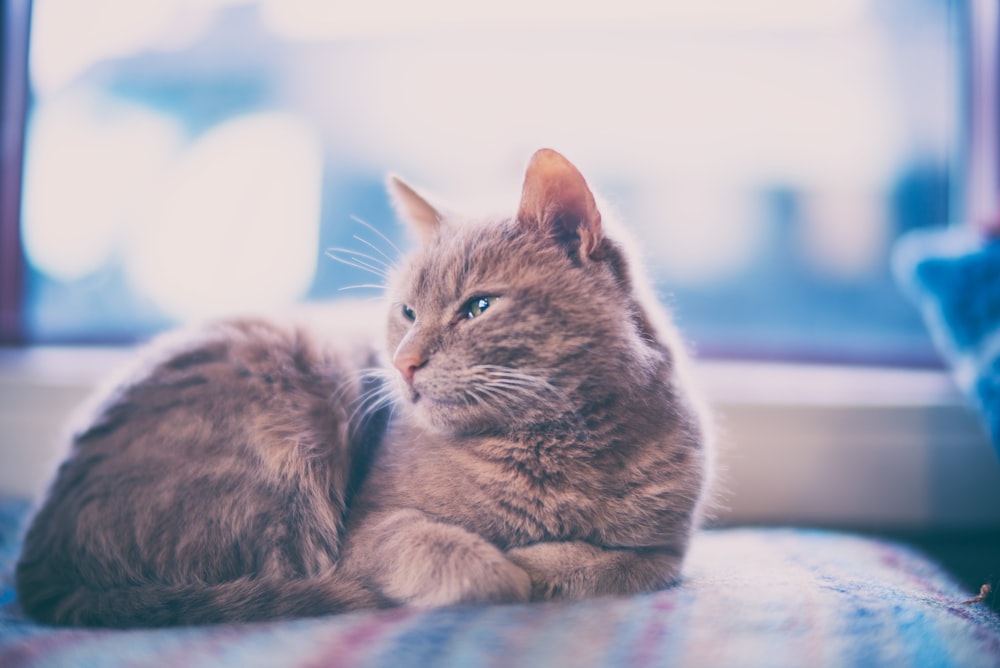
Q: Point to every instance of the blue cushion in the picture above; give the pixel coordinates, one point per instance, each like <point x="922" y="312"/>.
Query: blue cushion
<point x="954" y="277"/>
<point x="751" y="597"/>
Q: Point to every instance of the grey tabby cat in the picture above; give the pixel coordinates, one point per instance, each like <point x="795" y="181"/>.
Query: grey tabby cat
<point x="536" y="440"/>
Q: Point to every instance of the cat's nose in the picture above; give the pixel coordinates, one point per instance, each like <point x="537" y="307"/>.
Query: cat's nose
<point x="408" y="361"/>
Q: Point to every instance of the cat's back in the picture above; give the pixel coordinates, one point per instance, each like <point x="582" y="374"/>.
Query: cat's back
<point x="212" y="388"/>
<point x="225" y="451"/>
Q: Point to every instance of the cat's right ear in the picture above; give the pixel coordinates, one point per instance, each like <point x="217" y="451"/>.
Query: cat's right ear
<point x="557" y="200"/>
<point x="413" y="209"/>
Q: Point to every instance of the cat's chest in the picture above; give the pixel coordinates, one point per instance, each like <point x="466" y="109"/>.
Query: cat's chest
<point x="510" y="493"/>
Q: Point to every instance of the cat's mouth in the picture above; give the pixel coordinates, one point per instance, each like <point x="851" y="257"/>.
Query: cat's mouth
<point x="433" y="404"/>
<point x="411" y="393"/>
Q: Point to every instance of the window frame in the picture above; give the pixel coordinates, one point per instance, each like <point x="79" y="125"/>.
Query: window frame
<point x="15" y="22"/>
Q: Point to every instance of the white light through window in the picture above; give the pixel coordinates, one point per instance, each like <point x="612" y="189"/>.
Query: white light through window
<point x="87" y="176"/>
<point x="235" y="227"/>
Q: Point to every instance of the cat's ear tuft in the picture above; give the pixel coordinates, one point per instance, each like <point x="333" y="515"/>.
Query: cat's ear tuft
<point x="557" y="200"/>
<point x="413" y="208"/>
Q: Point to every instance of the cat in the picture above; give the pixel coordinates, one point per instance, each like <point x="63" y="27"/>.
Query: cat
<point x="528" y="432"/>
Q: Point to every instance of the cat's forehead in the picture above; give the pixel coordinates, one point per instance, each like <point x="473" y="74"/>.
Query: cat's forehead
<point x="466" y="255"/>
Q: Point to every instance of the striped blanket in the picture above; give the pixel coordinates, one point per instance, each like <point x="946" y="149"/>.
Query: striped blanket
<point x="751" y="597"/>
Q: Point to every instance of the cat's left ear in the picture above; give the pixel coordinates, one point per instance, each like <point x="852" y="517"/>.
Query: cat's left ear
<point x="416" y="211"/>
<point x="557" y="200"/>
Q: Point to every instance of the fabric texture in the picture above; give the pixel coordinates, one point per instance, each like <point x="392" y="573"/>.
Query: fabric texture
<point x="750" y="597"/>
<point x="953" y="275"/>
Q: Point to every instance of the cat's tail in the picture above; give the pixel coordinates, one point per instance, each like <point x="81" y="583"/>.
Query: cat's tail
<point x="243" y="600"/>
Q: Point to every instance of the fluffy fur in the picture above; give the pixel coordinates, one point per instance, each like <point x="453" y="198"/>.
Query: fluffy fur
<point x="543" y="442"/>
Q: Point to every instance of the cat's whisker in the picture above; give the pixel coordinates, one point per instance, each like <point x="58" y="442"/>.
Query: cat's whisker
<point x="472" y="396"/>
<point x="510" y="372"/>
<point x="524" y="382"/>
<point x="514" y="390"/>
<point x="351" y="255"/>
<point x="363" y="286"/>
<point x="370" y="403"/>
<point x="496" y="398"/>
<point x="342" y="388"/>
<point x="339" y="395"/>
<point x="353" y="381"/>
<point x="482" y="392"/>
<point x="511" y="389"/>
<point x="358" y="261"/>
<point x="381" y="376"/>
<point x="359" y="256"/>
<point x="362" y="267"/>
<point x="374" y="404"/>
<point x="521" y="381"/>
<point x="389" y="261"/>
<point x="384" y="238"/>
<point x="352" y="261"/>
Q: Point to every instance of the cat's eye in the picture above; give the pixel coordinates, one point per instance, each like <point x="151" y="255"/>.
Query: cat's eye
<point x="475" y="306"/>
<point x="409" y="313"/>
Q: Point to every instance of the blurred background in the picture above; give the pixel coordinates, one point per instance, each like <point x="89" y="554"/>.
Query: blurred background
<point x="168" y="160"/>
<point x="186" y="158"/>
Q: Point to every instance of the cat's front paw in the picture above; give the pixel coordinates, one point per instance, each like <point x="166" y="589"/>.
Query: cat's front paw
<point x="438" y="564"/>
<point x="573" y="570"/>
<point x="547" y="571"/>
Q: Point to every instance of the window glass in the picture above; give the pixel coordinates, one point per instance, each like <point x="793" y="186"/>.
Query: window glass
<point x="187" y="158"/>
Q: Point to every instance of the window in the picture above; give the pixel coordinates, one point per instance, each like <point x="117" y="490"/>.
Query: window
<point x="185" y="158"/>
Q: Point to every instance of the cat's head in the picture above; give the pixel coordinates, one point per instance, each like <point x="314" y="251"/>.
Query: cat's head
<point x="526" y="320"/>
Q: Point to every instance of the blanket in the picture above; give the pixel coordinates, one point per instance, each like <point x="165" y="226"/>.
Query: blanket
<point x="750" y="597"/>
<point x="953" y="275"/>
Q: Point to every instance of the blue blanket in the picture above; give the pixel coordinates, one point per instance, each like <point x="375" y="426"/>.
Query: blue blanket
<point x="954" y="277"/>
<point x="751" y="597"/>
